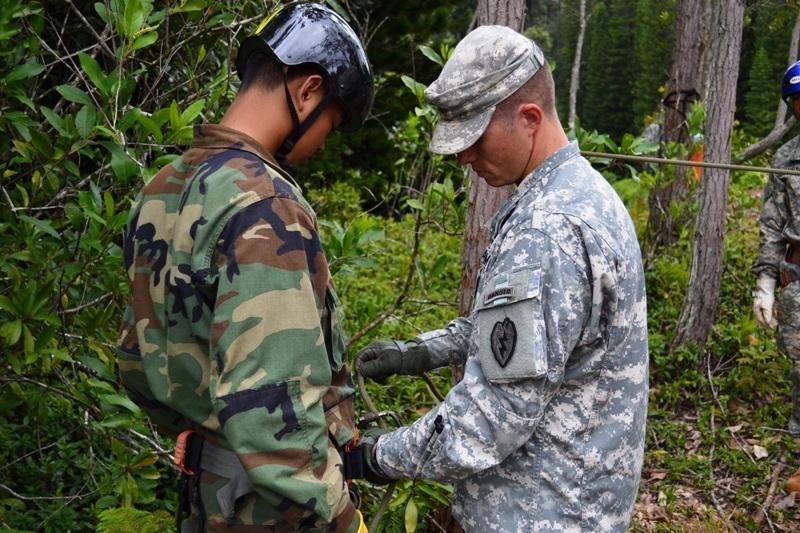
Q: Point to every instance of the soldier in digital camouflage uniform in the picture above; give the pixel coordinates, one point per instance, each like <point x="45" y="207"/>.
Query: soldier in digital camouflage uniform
<point x="546" y="431"/>
<point x="232" y="327"/>
<point x="779" y="252"/>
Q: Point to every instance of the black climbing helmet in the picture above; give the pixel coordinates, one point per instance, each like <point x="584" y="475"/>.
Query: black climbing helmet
<point x="302" y="33"/>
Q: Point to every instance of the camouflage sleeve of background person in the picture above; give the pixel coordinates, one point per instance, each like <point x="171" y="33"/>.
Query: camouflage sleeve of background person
<point x="778" y="206"/>
<point x="449" y="345"/>
<point x="273" y="369"/>
<point x="481" y="422"/>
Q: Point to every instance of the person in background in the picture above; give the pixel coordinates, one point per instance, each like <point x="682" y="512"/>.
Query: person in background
<point x="231" y="339"/>
<point x="546" y="431"/>
<point x="778" y="260"/>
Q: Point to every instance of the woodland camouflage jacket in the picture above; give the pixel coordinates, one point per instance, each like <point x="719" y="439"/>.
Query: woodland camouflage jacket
<point x="232" y="327"/>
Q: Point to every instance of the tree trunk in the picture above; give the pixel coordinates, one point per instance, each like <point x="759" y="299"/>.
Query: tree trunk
<point x="700" y="304"/>
<point x="484" y="201"/>
<point x="575" y="76"/>
<point x="684" y="85"/>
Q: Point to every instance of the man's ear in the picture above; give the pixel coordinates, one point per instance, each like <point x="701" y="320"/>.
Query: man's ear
<point x="531" y="115"/>
<point x="308" y="93"/>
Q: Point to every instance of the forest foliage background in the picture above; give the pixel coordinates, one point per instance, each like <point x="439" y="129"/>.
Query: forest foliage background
<point x="96" y="96"/>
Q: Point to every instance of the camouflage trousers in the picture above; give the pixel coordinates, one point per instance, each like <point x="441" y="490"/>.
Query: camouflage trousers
<point x="223" y="500"/>
<point x="788" y="338"/>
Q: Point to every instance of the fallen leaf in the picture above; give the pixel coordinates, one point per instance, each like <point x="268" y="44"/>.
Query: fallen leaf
<point x="656" y="475"/>
<point x="786" y="503"/>
<point x="760" y="452"/>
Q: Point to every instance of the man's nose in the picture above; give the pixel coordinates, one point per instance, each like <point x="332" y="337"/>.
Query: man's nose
<point x="466" y="157"/>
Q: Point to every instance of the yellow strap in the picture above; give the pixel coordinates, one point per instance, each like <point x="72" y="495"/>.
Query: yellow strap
<point x="362" y="527"/>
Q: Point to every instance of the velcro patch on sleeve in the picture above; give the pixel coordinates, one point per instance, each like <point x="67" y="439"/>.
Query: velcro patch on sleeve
<point x="511" y="332"/>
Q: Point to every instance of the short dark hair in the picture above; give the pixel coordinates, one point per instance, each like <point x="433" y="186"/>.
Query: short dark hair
<point x="266" y="72"/>
<point x="540" y="89"/>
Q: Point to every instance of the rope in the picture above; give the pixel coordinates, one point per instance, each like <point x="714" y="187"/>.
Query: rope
<point x="687" y="163"/>
<point x="387" y="495"/>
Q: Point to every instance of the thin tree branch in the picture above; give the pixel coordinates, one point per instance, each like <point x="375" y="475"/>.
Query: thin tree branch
<point x="763" y="510"/>
<point x="772" y="137"/>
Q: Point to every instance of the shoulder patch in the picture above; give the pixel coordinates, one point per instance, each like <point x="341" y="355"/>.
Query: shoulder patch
<point x="503" y="341"/>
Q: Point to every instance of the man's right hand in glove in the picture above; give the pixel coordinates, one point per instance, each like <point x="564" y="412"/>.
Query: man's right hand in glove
<point x="763" y="300"/>
<point x="365" y="454"/>
<point x="382" y="359"/>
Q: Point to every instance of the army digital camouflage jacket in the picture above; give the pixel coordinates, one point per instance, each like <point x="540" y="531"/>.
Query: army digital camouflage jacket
<point x="546" y="431"/>
<point x="780" y="216"/>
<point x="232" y="328"/>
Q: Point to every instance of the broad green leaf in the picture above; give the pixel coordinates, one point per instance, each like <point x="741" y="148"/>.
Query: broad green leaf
<point x="99" y="384"/>
<point x="27" y="70"/>
<point x="121" y="401"/>
<point x="431" y="54"/>
<point x="175" y="116"/>
<point x="132" y="18"/>
<point x="191" y="112"/>
<point x="11" y="332"/>
<point x="101" y="10"/>
<point x="122" y="165"/>
<point x="73" y="94"/>
<point x="95" y="364"/>
<point x="43" y="225"/>
<point x="23" y="192"/>
<point x="85" y="120"/>
<point x="151" y="473"/>
<point x="189" y="5"/>
<point x="150" y="126"/>
<point x="8" y="305"/>
<point x="108" y="202"/>
<point x="413" y="203"/>
<point x="28" y="341"/>
<point x="416" y="87"/>
<point x="61" y="355"/>
<point x="149" y="460"/>
<point x="92" y="69"/>
<point x="116" y="420"/>
<point x="144" y="40"/>
<point x="411" y="516"/>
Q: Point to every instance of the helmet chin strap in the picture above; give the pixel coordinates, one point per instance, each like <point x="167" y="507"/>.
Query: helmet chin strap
<point x="298" y="128"/>
<point x="528" y="162"/>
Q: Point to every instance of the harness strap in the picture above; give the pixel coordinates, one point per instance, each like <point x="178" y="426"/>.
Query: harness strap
<point x="790" y="268"/>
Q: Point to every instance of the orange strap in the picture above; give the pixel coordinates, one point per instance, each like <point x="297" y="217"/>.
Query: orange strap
<point x="180" y="451"/>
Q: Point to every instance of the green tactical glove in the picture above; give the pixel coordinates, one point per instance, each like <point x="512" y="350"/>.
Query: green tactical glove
<point x="382" y="359"/>
<point x="365" y="450"/>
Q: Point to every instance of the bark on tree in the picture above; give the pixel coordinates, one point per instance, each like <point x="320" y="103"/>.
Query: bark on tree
<point x="684" y="87"/>
<point x="575" y="75"/>
<point x="700" y="304"/>
<point x="484" y="201"/>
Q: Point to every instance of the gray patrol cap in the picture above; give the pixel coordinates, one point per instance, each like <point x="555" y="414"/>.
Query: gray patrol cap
<point x="487" y="66"/>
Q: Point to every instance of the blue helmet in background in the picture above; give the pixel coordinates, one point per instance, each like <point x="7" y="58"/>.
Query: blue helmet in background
<point x="791" y="81"/>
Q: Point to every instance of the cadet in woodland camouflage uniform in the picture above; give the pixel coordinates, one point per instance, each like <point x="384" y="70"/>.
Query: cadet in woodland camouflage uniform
<point x="546" y="430"/>
<point x="779" y="251"/>
<point x="232" y="328"/>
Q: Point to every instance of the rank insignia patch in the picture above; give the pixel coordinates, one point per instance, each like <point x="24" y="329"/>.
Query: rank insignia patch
<point x="503" y="340"/>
